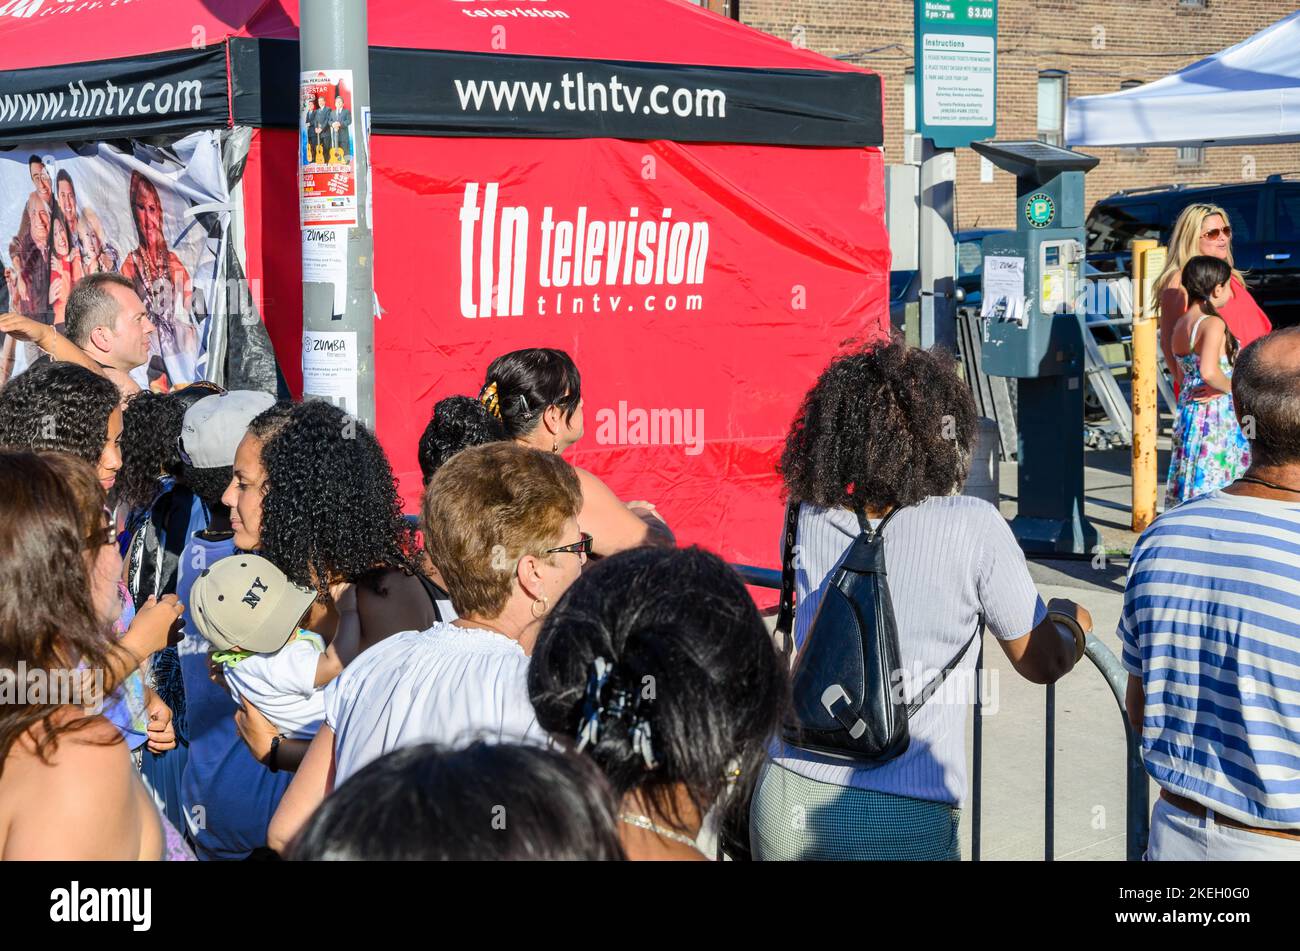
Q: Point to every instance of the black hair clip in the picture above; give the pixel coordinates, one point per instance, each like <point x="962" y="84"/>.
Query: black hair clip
<point x="620" y="707"/>
<point x="592" y="707"/>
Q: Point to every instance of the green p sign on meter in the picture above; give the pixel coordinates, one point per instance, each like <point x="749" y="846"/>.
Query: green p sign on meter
<point x="956" y="70"/>
<point x="1040" y="210"/>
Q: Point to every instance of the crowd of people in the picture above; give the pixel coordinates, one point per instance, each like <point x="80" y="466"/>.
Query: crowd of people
<point x="270" y="659"/>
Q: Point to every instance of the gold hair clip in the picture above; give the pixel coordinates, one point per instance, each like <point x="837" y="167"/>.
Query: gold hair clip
<point x="490" y="399"/>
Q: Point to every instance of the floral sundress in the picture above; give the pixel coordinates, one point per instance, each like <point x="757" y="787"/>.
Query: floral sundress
<point x="1209" y="450"/>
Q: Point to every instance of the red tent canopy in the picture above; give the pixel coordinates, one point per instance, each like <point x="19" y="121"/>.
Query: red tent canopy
<point x="759" y="229"/>
<point x="50" y="32"/>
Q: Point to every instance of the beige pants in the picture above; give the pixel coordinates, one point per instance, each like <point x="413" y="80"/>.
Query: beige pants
<point x="1178" y="836"/>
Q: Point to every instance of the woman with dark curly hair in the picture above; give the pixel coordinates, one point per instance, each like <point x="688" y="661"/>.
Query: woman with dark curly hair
<point x="151" y="426"/>
<point x="457" y="423"/>
<point x="888" y="431"/>
<point x="657" y="665"/>
<point x="161" y="515"/>
<point x="313" y="493"/>
<point x="537" y="395"/>
<point x="65" y="408"/>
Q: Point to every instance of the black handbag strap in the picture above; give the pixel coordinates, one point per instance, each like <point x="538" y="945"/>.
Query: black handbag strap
<point x="864" y="524"/>
<point x="932" y="687"/>
<point x="785" y="613"/>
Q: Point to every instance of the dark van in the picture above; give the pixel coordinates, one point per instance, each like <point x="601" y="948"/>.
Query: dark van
<point x="1265" y="221"/>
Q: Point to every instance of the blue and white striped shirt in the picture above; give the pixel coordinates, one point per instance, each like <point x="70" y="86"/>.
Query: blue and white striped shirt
<point x="1211" y="623"/>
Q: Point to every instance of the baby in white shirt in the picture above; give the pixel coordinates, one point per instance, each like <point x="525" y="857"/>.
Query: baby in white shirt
<point x="250" y="613"/>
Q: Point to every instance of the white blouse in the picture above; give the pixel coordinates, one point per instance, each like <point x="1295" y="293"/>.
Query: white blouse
<point x="448" y="685"/>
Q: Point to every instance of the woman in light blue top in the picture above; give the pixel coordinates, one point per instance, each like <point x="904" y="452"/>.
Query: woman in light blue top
<point x="891" y="427"/>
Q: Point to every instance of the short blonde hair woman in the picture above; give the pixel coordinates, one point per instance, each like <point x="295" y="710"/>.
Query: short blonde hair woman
<point x="1204" y="229"/>
<point x="501" y="526"/>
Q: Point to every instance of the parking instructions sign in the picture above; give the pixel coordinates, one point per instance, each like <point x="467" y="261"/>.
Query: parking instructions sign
<point x="956" y="70"/>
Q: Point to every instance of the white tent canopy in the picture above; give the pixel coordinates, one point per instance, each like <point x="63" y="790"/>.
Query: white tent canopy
<point x="1248" y="94"/>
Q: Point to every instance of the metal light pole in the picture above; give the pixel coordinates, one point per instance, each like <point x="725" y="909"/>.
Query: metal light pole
<point x="937" y="253"/>
<point x="333" y="37"/>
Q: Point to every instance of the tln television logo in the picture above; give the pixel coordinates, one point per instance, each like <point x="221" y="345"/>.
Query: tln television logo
<point x="635" y="249"/>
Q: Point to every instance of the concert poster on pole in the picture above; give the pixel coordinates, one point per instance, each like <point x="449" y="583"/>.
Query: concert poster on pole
<point x="327" y="137"/>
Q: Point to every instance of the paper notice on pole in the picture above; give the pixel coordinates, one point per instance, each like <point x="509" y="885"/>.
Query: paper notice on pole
<point x="327" y="137"/>
<point x="329" y="367"/>
<point x="370" y="167"/>
<point x="325" y="260"/>
<point x="1004" y="290"/>
<point x="957" y="80"/>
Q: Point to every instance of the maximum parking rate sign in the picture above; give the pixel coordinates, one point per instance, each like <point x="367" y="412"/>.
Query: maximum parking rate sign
<point x="956" y="70"/>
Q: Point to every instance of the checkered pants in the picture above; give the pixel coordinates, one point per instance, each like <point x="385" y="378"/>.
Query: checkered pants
<point x="793" y="818"/>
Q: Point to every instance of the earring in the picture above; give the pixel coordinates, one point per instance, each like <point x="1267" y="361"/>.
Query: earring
<point x="555" y="445"/>
<point x="545" y="607"/>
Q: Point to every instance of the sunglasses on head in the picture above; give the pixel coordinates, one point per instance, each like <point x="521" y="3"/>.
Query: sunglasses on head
<point x="1213" y="233"/>
<point x="580" y="547"/>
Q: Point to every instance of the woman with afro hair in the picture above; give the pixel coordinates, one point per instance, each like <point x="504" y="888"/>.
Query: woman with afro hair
<point x="457" y="423"/>
<point x="314" y="494"/>
<point x="65" y="408"/>
<point x="887" y="431"/>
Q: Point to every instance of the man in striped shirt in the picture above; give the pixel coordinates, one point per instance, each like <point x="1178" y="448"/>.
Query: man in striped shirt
<point x="1211" y="638"/>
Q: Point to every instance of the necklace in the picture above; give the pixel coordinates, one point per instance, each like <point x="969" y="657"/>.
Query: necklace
<point x="645" y="822"/>
<point x="150" y="267"/>
<point x="1269" y="485"/>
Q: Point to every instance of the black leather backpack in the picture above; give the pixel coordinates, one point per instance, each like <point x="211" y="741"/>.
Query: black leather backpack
<point x="846" y="687"/>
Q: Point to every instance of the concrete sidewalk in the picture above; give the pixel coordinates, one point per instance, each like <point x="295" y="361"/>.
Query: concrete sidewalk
<point x="1090" y="746"/>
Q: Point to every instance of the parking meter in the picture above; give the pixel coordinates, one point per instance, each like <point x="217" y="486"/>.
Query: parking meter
<point x="1032" y="329"/>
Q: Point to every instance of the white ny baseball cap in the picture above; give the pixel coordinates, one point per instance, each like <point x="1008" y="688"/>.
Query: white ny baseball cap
<point x="245" y="602"/>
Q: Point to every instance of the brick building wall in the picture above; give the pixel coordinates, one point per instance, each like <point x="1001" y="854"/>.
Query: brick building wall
<point x="1099" y="43"/>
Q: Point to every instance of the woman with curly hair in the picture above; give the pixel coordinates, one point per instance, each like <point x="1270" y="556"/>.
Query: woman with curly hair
<point x="65" y="408"/>
<point x="888" y="431"/>
<point x="457" y="423"/>
<point x="537" y="396"/>
<point x="151" y="426"/>
<point x="314" y="494"/>
<point x="162" y="513"/>
<point x="67" y="786"/>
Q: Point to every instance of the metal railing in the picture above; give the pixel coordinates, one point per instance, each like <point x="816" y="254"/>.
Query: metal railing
<point x="1137" y="813"/>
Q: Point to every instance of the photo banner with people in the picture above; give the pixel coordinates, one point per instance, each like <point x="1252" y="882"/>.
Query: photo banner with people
<point x="68" y="212"/>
